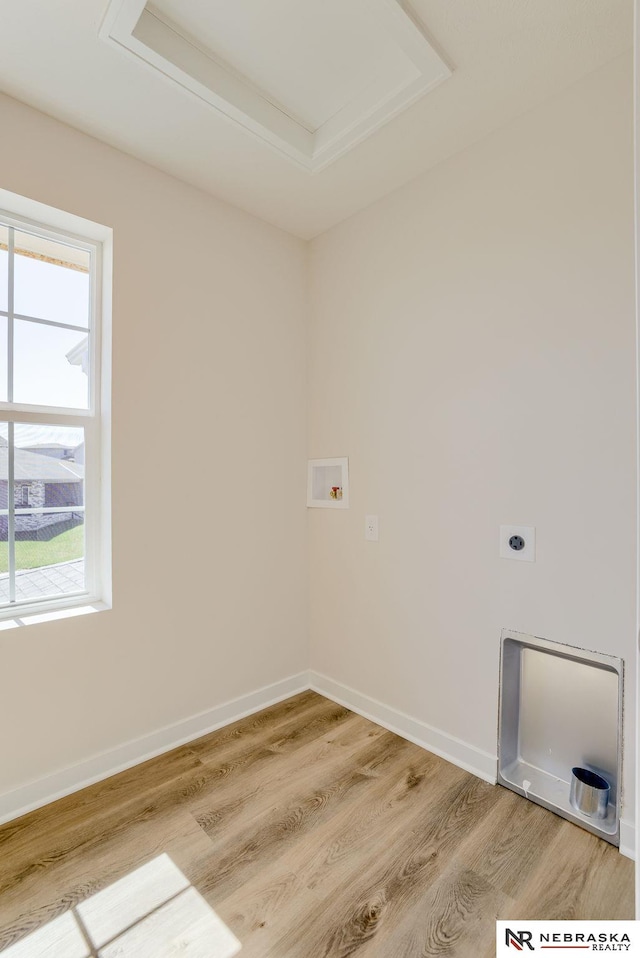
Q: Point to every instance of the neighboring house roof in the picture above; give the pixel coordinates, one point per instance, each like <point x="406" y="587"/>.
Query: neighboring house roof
<point x="52" y="449"/>
<point x="48" y="445"/>
<point x="32" y="467"/>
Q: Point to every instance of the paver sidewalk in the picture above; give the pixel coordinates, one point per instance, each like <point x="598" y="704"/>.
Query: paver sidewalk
<point x="50" y="580"/>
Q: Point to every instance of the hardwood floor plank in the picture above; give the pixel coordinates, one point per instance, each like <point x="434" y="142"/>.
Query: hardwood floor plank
<point x="146" y="778"/>
<point x="502" y="851"/>
<point x="56" y="824"/>
<point x="128" y="821"/>
<point x="397" y="875"/>
<point x="112" y="856"/>
<point x="291" y="726"/>
<point x="271" y="834"/>
<point x="59" y="938"/>
<point x="581" y="877"/>
<point x="146" y="789"/>
<point x="254" y="728"/>
<point x="227" y="806"/>
<point x="307" y="832"/>
<point x="42" y="847"/>
<point x="272" y="768"/>
<point x="260" y="911"/>
<point x="452" y="918"/>
<point x="266" y="759"/>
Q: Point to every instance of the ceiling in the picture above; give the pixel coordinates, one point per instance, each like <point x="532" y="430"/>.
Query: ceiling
<point x="300" y="118"/>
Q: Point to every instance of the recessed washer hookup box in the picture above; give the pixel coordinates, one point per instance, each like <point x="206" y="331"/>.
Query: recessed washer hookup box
<point x="560" y="708"/>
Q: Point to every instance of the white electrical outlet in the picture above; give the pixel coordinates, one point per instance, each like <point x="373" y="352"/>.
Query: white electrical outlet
<point x="371" y="528"/>
<point x="518" y="542"/>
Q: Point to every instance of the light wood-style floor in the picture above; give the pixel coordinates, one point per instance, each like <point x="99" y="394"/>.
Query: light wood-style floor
<point x="308" y="832"/>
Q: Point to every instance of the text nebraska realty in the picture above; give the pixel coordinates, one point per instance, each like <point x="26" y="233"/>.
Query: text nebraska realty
<point x="596" y="941"/>
<point x="601" y="941"/>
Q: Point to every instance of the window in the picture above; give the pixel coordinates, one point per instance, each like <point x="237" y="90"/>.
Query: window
<point x="53" y="512"/>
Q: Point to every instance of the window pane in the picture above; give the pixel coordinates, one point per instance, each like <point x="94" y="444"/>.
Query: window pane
<point x="49" y="501"/>
<point x="3" y="358"/>
<point x="4" y="522"/>
<point x="51" y="280"/>
<point x="49" y="366"/>
<point x="4" y="268"/>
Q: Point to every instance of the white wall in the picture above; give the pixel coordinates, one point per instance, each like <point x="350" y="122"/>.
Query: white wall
<point x="472" y="352"/>
<point x="209" y="544"/>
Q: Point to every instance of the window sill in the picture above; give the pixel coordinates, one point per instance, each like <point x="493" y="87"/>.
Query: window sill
<point x="11" y="619"/>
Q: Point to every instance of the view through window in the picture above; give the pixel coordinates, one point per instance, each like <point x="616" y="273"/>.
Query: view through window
<point x="48" y="413"/>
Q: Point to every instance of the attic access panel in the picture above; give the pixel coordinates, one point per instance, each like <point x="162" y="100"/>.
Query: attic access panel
<point x="311" y="79"/>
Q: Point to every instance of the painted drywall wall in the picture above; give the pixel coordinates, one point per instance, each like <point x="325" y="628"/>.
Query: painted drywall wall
<point x="209" y="386"/>
<point x="472" y="352"/>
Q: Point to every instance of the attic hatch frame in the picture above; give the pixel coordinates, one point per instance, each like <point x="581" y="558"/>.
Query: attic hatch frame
<point x="135" y="28"/>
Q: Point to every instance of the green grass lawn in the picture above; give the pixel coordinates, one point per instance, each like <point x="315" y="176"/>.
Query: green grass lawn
<point x="29" y="555"/>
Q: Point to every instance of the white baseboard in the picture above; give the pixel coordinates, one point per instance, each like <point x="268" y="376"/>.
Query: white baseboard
<point x="41" y="792"/>
<point x="627" y="839"/>
<point x="454" y="750"/>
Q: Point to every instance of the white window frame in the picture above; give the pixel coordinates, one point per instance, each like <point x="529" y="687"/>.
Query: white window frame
<point x="22" y="213"/>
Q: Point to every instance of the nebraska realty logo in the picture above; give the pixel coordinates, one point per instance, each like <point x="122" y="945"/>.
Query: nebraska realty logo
<point x="557" y="936"/>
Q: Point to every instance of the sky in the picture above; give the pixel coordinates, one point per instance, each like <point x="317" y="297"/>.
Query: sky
<point x="42" y="373"/>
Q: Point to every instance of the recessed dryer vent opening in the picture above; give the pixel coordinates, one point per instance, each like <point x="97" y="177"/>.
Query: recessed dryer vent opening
<point x="560" y="709"/>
